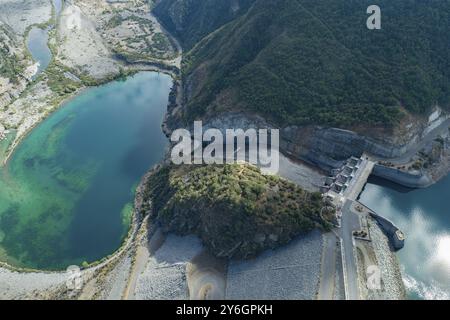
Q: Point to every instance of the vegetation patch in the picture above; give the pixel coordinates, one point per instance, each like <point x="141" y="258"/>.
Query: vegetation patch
<point x="146" y="43"/>
<point x="300" y="62"/>
<point x="234" y="209"/>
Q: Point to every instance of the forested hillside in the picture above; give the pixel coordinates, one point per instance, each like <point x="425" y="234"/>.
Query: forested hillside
<point x="315" y="62"/>
<point x="191" y="20"/>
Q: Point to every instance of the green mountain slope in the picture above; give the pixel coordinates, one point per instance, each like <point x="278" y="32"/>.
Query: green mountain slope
<point x="315" y="62"/>
<point x="191" y="20"/>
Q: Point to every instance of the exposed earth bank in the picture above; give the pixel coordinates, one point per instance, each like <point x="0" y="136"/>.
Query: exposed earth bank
<point x="415" y="155"/>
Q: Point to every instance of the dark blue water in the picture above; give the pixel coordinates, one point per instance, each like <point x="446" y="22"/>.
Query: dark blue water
<point x="424" y="215"/>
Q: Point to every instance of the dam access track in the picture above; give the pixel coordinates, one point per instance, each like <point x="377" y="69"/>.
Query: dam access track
<point x="342" y="190"/>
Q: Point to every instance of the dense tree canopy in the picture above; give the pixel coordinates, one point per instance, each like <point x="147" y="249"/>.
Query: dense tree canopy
<point x="315" y="62"/>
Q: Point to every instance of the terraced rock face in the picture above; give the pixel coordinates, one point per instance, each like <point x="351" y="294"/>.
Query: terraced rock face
<point x="234" y="209"/>
<point x="81" y="47"/>
<point x="16" y="68"/>
<point x="128" y="30"/>
<point x="21" y="14"/>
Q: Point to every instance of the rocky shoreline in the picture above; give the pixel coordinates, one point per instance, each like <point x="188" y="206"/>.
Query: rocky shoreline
<point x="392" y="286"/>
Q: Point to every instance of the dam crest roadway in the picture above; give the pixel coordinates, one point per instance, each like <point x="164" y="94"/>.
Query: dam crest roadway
<point x="341" y="190"/>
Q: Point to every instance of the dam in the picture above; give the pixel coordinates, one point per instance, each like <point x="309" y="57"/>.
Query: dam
<point x="341" y="189"/>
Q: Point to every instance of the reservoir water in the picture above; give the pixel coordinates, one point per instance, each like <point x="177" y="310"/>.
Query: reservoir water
<point x="67" y="192"/>
<point x="424" y="216"/>
<point x="58" y="5"/>
<point x="37" y="44"/>
<point x="37" y="41"/>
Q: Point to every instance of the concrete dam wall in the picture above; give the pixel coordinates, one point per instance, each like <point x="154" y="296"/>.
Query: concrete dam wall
<point x="403" y="178"/>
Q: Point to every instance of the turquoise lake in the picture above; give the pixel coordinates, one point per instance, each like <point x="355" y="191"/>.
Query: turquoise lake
<point x="67" y="192"/>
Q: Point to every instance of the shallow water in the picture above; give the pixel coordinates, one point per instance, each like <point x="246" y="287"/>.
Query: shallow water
<point x="424" y="215"/>
<point x="67" y="192"/>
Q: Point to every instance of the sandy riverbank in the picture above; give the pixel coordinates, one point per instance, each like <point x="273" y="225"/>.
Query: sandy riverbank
<point x="20" y="14"/>
<point x="206" y="277"/>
